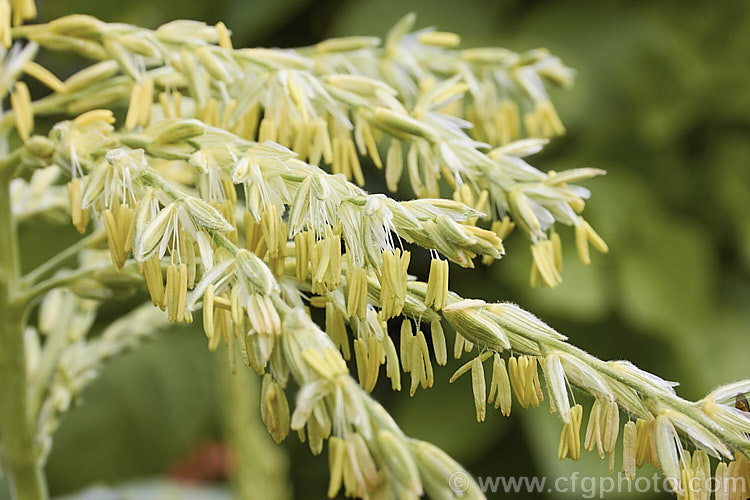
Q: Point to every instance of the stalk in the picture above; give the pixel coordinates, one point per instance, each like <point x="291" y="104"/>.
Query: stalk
<point x="27" y="479"/>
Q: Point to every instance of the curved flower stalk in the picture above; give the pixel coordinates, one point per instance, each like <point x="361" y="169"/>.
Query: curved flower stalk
<point x="657" y="417"/>
<point x="211" y="194"/>
<point x="330" y="117"/>
<point x="659" y="423"/>
<point x="364" y="287"/>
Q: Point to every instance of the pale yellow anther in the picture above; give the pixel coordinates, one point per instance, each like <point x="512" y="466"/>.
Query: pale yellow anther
<point x="508" y="121"/>
<point x="439" y="39"/>
<point x="151" y="269"/>
<point x="329" y="365"/>
<point x="208" y="312"/>
<point x="302" y="254"/>
<point x="629" y="449"/>
<point x="405" y="345"/>
<point x="133" y="118"/>
<point x="500" y="391"/>
<point x="326" y="263"/>
<point x="78" y="214"/>
<point x="268" y="130"/>
<point x="88" y="76"/>
<point x="336" y="460"/>
<point x="177" y="104"/>
<point x="221" y="326"/>
<point x="118" y="223"/>
<point x="393" y="276"/>
<point x="437" y="284"/>
<point x="183" y="315"/>
<point x="458" y="345"/>
<point x="336" y="328"/>
<point x="524" y="379"/>
<point x="549" y="120"/>
<point x="429" y="378"/>
<point x="222" y="33"/>
<point x="356" y="305"/>
<point x="226" y="115"/>
<point x="520" y="204"/>
<point x="320" y="147"/>
<point x="595" y="239"/>
<point x="585" y="234"/>
<point x="570" y="438"/>
<point x="172" y="292"/>
<point x="93" y="116"/>
<point x="209" y="114"/>
<point x="479" y="389"/>
<point x="392" y="370"/>
<point x="645" y="436"/>
<point x="23" y="10"/>
<point x="371" y="145"/>
<point x="145" y="101"/>
<point x="270" y="223"/>
<point x="594" y="428"/>
<point x="20" y="102"/>
<point x="394" y="165"/>
<point x="701" y="472"/>
<point x="6" y="35"/>
<point x="164" y="103"/>
<point x="557" y="251"/>
<point x="367" y="355"/>
<point x="545" y="262"/>
<point x="438" y="343"/>
<point x="44" y="76"/>
<point x="722" y="482"/>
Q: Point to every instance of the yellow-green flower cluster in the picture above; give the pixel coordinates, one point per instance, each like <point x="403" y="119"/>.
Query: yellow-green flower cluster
<point x="330" y="107"/>
<point x="228" y="187"/>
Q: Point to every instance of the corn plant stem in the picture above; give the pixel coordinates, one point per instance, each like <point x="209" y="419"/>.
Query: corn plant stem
<point x="16" y="429"/>
<point x="59" y="259"/>
<point x="27" y="297"/>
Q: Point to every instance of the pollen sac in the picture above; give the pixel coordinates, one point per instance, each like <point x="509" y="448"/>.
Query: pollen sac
<point x="570" y="438"/>
<point x="274" y="409"/>
<point x="78" y="214"/>
<point x="326" y="263"/>
<point x="393" y="277"/>
<point x="119" y="228"/>
<point x="437" y="284"/>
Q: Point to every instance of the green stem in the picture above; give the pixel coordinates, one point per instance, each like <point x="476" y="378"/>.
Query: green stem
<point x="9" y="164"/>
<point x="26" y="298"/>
<point x="60" y="258"/>
<point x="16" y="429"/>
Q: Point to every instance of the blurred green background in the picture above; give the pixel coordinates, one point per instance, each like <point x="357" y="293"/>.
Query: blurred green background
<point x="660" y="102"/>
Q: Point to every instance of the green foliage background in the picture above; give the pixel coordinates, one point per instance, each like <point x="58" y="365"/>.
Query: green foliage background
<point x="660" y="102"/>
